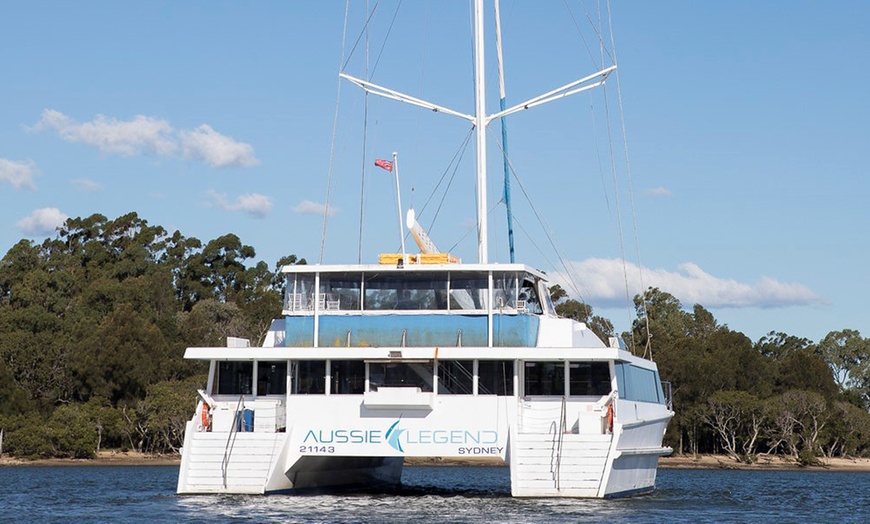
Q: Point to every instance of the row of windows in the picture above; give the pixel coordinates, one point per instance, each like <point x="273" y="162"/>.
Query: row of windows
<point x="495" y="377"/>
<point x="355" y="291"/>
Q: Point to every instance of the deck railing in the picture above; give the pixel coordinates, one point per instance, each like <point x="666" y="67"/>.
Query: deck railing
<point x="231" y="439"/>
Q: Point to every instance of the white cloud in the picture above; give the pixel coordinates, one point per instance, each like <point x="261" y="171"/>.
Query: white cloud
<point x="42" y="221"/>
<point x="307" y="207"/>
<point x="140" y="135"/>
<point x="152" y="136"/>
<point x="603" y="283"/>
<point x="86" y="185"/>
<point x="254" y="204"/>
<point x="17" y="174"/>
<point x="217" y="150"/>
<point x="659" y="192"/>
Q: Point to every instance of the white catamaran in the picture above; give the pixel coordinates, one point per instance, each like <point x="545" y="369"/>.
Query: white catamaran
<point x="424" y="356"/>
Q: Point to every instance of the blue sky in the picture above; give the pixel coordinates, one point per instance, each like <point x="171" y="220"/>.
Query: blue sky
<point x="746" y="126"/>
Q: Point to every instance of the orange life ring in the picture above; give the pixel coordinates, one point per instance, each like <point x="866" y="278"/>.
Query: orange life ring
<point x="610" y="418"/>
<point x="206" y="417"/>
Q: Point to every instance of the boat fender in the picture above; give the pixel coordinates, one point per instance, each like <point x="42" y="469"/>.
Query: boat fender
<point x="206" y="417"/>
<point x="610" y="418"/>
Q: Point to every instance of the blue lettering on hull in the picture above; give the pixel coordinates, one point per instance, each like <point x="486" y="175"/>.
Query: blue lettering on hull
<point x="477" y="442"/>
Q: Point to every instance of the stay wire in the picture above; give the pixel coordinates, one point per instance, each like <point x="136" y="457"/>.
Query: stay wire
<point x="613" y="171"/>
<point x="648" y="348"/>
<point x="454" y="163"/>
<point x="541" y="222"/>
<point x="359" y="37"/>
<point x="362" y="191"/>
<point x="334" y="133"/>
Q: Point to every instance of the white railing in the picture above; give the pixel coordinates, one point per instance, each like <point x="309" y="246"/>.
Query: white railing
<point x="231" y="439"/>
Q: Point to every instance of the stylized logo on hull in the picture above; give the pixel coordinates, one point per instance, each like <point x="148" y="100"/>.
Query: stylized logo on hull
<point x="393" y="435"/>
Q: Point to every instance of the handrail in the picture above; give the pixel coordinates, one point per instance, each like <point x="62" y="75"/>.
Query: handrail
<point x="231" y="440"/>
<point x="462" y="372"/>
<point x="561" y="429"/>
<point x="669" y="394"/>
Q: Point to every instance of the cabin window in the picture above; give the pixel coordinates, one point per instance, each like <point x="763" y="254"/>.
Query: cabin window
<point x="545" y="378"/>
<point x="495" y="377"/>
<point x="348" y="377"/>
<point x="272" y="378"/>
<point x="299" y="295"/>
<point x="468" y="292"/>
<point x="528" y="300"/>
<point x="401" y="374"/>
<point x="637" y="383"/>
<point x="504" y="290"/>
<point x="309" y="377"/>
<point x="456" y="377"/>
<point x="589" y="378"/>
<point x="340" y="291"/>
<point x="406" y="291"/>
<point x="235" y="378"/>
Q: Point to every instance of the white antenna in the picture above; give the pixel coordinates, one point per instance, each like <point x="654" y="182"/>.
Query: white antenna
<point x="399" y="206"/>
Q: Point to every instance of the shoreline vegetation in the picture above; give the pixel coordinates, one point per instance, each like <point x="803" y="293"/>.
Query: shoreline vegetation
<point x="79" y="310"/>
<point x="701" y="461"/>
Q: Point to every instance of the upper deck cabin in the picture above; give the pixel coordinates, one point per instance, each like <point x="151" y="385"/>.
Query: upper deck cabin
<point x="419" y="305"/>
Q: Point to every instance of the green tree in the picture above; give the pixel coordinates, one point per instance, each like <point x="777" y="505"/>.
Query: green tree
<point x="798" y="419"/>
<point x="848" y="355"/>
<point x="777" y="345"/>
<point x="737" y="417"/>
<point x="71" y="433"/>
<point x="167" y="408"/>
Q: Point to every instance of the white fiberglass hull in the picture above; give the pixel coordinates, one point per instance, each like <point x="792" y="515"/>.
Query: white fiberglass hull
<point x="348" y="441"/>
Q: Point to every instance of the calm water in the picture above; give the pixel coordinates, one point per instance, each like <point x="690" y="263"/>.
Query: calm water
<point x="433" y="494"/>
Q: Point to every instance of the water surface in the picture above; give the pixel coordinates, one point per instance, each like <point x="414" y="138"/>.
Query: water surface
<point x="433" y="494"/>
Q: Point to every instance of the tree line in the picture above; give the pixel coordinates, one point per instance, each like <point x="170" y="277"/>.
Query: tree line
<point x="95" y="321"/>
<point x="94" y="324"/>
<point x="781" y="395"/>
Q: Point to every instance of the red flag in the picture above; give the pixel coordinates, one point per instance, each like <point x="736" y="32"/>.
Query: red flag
<point x="384" y="164"/>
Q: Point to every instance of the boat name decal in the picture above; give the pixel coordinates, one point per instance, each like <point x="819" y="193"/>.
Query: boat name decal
<point x="473" y="442"/>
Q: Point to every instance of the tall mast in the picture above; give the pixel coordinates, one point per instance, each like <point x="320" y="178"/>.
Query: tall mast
<point x="480" y="119"/>
<point x="504" y="146"/>
<point x="480" y="127"/>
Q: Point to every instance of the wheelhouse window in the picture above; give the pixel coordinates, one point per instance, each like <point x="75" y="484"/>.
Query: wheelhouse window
<point x="469" y="291"/>
<point x="272" y="378"/>
<point x="401" y="374"/>
<point x="309" y="377"/>
<point x="495" y="377"/>
<point x="545" y="378"/>
<point x="528" y="300"/>
<point x="299" y="295"/>
<point x="340" y="291"/>
<point x="456" y="377"/>
<point x="348" y="377"/>
<point x="504" y="290"/>
<point x="589" y="378"/>
<point x="235" y="378"/>
<point x="406" y="291"/>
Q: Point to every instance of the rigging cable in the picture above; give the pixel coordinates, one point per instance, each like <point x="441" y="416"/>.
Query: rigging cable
<point x="457" y="158"/>
<point x="359" y="36"/>
<point x="648" y="348"/>
<point x="545" y="228"/>
<point x="362" y="190"/>
<point x="334" y="132"/>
